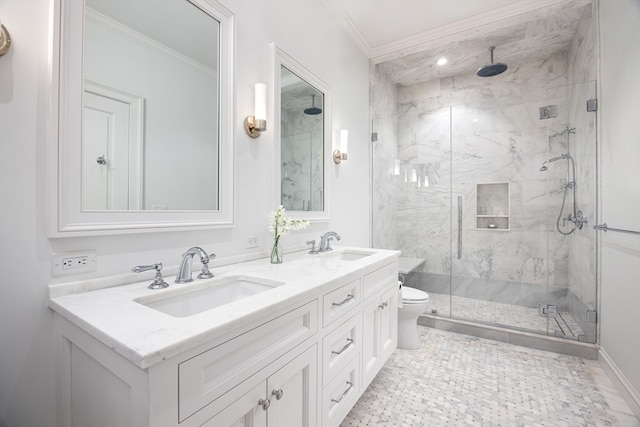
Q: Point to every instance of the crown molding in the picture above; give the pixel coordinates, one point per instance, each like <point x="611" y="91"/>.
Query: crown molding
<point x="347" y="23"/>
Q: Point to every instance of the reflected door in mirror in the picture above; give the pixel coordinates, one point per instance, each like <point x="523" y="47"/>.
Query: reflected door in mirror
<point x="165" y="156"/>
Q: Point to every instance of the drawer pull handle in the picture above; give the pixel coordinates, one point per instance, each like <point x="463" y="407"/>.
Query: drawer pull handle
<point x="343" y="302"/>
<point x="349" y="344"/>
<point x="344" y="393"/>
<point x="265" y="403"/>
<point x="277" y="393"/>
<point x="383" y="305"/>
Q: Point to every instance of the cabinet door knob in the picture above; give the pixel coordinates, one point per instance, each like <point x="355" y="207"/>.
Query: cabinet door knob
<point x="277" y="393"/>
<point x="265" y="403"/>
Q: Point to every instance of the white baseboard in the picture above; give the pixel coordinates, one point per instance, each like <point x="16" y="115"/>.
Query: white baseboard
<point x="630" y="395"/>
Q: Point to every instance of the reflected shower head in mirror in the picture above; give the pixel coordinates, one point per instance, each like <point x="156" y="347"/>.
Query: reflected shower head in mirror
<point x="313" y="110"/>
<point x="491" y="69"/>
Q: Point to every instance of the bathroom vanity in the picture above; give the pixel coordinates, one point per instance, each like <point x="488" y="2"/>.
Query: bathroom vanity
<point x="297" y="347"/>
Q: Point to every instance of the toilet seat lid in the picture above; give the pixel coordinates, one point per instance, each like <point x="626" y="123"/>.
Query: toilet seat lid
<point x="412" y="294"/>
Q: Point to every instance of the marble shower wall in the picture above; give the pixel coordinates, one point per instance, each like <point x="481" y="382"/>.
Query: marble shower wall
<point x="461" y="131"/>
<point x="457" y="132"/>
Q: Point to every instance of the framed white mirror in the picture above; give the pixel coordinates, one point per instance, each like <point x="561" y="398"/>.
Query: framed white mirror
<point x="144" y="131"/>
<point x="302" y="138"/>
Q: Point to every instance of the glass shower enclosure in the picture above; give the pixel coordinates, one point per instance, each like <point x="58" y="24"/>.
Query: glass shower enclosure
<point x="496" y="200"/>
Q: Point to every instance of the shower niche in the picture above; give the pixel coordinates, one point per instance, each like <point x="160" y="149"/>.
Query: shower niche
<point x="492" y="207"/>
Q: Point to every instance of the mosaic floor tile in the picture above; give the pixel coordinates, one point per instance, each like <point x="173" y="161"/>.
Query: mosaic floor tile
<point x="460" y="380"/>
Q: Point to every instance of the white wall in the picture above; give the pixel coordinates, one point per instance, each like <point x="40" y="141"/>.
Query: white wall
<point x="620" y="142"/>
<point x="305" y="30"/>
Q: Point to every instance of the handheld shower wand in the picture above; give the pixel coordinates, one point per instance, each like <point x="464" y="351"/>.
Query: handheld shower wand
<point x="576" y="218"/>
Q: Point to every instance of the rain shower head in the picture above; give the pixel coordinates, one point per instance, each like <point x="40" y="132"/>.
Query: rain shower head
<point x="313" y="110"/>
<point x="491" y="69"/>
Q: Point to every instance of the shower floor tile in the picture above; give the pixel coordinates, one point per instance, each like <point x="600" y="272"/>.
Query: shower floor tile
<point x="460" y="380"/>
<point x="517" y="316"/>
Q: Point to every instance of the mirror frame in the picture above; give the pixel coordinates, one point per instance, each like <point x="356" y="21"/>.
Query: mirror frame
<point x="65" y="217"/>
<point x="278" y="59"/>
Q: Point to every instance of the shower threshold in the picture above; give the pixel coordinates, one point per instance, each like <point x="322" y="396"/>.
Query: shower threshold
<point x="508" y="323"/>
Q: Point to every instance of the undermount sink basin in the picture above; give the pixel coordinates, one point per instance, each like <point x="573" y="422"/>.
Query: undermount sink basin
<point x="347" y="255"/>
<point x="199" y="298"/>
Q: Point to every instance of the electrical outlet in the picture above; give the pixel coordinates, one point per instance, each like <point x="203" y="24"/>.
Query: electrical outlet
<point x="252" y="242"/>
<point x="73" y="263"/>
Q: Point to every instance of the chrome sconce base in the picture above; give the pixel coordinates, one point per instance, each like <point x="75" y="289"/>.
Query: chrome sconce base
<point x="338" y="156"/>
<point x="5" y="40"/>
<point x="253" y="127"/>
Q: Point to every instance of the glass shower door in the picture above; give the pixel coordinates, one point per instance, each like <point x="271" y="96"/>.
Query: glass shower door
<point x="511" y="166"/>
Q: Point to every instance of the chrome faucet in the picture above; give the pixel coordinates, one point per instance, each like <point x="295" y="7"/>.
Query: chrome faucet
<point x="184" y="273"/>
<point x="324" y="241"/>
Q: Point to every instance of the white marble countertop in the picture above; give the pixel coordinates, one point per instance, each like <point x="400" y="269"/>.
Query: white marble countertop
<point x="146" y="336"/>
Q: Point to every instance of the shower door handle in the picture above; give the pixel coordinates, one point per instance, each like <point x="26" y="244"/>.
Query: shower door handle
<point x="459" y="227"/>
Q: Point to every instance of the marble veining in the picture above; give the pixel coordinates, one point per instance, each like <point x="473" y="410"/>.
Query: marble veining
<point x="456" y="132"/>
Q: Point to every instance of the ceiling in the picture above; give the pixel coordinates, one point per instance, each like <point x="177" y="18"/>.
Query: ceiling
<point x="408" y="36"/>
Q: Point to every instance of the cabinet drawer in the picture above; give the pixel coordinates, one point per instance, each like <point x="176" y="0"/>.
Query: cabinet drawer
<point x="205" y="377"/>
<point x="337" y="303"/>
<point x="378" y="278"/>
<point x="340" y="346"/>
<point x="341" y="394"/>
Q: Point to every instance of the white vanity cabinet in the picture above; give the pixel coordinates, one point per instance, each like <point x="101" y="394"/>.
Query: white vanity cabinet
<point x="286" y="398"/>
<point x="303" y="364"/>
<point x="380" y="326"/>
<point x="100" y="388"/>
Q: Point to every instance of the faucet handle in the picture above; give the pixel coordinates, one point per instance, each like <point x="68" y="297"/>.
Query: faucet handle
<point x="158" y="281"/>
<point x="313" y="249"/>
<point x="205" y="273"/>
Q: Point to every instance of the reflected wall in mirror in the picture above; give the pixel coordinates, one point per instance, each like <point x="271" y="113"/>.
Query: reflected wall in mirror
<point x="302" y="139"/>
<point x="150" y="117"/>
<point x="301" y="143"/>
<point x="144" y="129"/>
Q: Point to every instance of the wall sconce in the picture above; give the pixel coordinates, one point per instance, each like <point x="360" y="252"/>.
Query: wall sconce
<point x="341" y="152"/>
<point x="5" y="40"/>
<point x="256" y="124"/>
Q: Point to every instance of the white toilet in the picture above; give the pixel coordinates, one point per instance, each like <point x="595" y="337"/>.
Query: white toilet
<point x="414" y="303"/>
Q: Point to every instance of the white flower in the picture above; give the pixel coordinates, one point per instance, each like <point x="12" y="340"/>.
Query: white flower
<point x="280" y="225"/>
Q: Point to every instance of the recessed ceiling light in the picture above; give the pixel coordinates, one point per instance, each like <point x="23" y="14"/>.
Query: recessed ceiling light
<point x="441" y="61"/>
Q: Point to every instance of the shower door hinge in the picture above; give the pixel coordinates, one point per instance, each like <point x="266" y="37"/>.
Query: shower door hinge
<point x="592" y="105"/>
<point x="548" y="310"/>
<point x="374" y="136"/>
<point x="592" y="316"/>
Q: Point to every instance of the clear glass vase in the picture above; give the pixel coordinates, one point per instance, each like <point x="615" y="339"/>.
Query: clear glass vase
<point x="276" y="253"/>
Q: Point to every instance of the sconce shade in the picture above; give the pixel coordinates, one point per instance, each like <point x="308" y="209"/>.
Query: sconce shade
<point x="260" y="110"/>
<point x="256" y="124"/>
